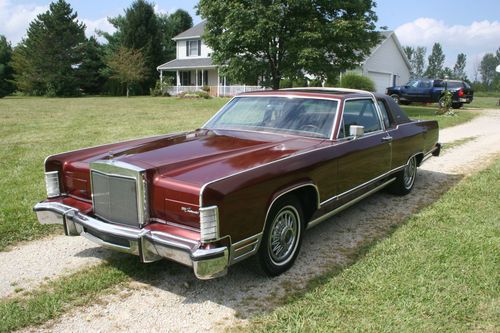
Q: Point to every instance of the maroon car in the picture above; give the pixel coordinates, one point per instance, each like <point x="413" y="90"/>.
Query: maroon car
<point x="250" y="181"/>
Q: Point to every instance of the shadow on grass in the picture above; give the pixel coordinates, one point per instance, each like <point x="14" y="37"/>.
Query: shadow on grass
<point x="326" y="250"/>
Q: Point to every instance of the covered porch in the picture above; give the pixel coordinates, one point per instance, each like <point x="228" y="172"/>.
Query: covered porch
<point x="193" y="75"/>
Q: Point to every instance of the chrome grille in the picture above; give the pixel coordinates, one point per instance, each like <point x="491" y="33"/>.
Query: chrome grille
<point x="119" y="192"/>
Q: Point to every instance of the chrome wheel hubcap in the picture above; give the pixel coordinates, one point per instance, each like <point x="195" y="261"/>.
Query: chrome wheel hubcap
<point x="410" y="172"/>
<point x="283" y="237"/>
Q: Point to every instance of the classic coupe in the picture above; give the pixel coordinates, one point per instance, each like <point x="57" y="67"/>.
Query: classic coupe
<point x="265" y="168"/>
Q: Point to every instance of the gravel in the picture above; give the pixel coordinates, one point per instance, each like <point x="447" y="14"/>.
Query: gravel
<point x="179" y="302"/>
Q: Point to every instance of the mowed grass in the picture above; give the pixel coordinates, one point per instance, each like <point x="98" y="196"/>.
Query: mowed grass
<point x="33" y="128"/>
<point x="485" y="102"/>
<point x="429" y="112"/>
<point x="437" y="273"/>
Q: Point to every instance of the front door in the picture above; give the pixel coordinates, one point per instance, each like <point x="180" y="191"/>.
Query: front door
<point x="368" y="156"/>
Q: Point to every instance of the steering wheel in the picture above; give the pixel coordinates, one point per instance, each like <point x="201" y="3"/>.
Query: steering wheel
<point x="309" y="128"/>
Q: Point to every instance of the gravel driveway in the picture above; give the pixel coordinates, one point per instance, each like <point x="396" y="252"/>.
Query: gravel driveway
<point x="177" y="301"/>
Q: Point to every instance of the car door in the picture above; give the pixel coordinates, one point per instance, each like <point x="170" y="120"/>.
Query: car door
<point x="367" y="157"/>
<point x="409" y="90"/>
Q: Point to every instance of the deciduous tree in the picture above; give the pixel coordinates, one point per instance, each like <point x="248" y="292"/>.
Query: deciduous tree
<point x="419" y="58"/>
<point x="127" y="66"/>
<point x="436" y="62"/>
<point x="459" y="68"/>
<point x="487" y="69"/>
<point x="285" y="38"/>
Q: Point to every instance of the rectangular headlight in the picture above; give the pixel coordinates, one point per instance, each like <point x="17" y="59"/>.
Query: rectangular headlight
<point x="209" y="223"/>
<point x="52" y="184"/>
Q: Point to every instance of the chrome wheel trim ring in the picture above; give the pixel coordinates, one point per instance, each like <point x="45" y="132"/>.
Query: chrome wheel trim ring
<point x="410" y="172"/>
<point x="284" y="236"/>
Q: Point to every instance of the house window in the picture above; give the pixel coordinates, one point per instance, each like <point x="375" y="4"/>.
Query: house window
<point x="193" y="48"/>
<point x="203" y="82"/>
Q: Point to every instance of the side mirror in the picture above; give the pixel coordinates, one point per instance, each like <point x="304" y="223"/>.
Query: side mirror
<point x="356" y="131"/>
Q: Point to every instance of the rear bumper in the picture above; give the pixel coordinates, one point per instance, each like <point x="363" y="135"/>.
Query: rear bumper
<point x="149" y="245"/>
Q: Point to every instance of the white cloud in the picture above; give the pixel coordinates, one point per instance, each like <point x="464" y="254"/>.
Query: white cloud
<point x="91" y="26"/>
<point x="15" y="19"/>
<point x="475" y="39"/>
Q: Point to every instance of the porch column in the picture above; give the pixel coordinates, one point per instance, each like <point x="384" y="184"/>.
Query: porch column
<point x="178" y="83"/>
<point x="218" y="82"/>
<point x="196" y="78"/>
<point x="202" y="81"/>
<point x="161" y="77"/>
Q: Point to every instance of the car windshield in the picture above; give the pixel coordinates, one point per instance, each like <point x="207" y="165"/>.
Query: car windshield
<point x="299" y="116"/>
<point x="412" y="83"/>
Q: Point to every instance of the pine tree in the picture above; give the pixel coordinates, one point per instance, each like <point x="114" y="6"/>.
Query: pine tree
<point x="6" y="71"/>
<point x="46" y="62"/>
<point x="90" y="71"/>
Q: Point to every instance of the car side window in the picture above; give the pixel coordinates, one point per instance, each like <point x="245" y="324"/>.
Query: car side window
<point x="360" y="112"/>
<point x="385" y="114"/>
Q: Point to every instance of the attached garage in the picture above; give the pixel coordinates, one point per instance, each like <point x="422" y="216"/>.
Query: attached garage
<point x="387" y="64"/>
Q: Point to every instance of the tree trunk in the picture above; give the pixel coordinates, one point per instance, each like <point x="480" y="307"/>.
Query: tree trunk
<point x="127" y="89"/>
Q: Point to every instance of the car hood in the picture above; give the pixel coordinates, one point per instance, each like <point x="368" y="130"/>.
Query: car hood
<point x="195" y="157"/>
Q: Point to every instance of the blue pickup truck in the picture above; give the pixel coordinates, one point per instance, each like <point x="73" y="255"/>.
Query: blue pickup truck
<point x="431" y="91"/>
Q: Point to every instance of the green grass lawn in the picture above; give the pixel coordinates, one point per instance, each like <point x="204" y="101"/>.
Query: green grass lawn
<point x="33" y="128"/>
<point x="485" y="102"/>
<point x="437" y="273"/>
<point x="429" y="112"/>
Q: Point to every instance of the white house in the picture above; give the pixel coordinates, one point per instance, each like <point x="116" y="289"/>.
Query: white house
<point x="194" y="68"/>
<point x="386" y="66"/>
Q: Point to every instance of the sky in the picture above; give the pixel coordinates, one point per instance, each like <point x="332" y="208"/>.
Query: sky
<point x="471" y="27"/>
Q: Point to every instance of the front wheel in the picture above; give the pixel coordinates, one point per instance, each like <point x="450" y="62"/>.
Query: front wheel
<point x="282" y="236"/>
<point x="405" y="179"/>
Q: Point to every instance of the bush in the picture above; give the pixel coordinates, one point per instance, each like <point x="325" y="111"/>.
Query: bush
<point x="159" y="90"/>
<point x="355" y="81"/>
<point x="196" y="94"/>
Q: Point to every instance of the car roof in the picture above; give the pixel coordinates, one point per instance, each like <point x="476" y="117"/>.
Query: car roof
<point x="340" y="93"/>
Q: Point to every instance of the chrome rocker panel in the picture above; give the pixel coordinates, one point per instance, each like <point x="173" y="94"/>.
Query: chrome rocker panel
<point x="148" y="245"/>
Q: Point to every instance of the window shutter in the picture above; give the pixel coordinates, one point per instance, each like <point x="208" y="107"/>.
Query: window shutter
<point x="199" y="47"/>
<point x="187" y="48"/>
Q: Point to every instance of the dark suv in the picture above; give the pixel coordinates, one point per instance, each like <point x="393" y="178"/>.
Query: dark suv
<point x="431" y="91"/>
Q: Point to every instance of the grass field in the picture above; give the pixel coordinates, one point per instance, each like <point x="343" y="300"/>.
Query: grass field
<point x="437" y="273"/>
<point x="485" y="102"/>
<point x="33" y="128"/>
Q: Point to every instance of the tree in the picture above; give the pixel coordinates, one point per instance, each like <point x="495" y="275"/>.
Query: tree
<point x="127" y="66"/>
<point x="90" y="71"/>
<point x="172" y="25"/>
<point x="140" y="29"/>
<point x="419" y="58"/>
<point x="6" y="70"/>
<point x="46" y="61"/>
<point x="410" y="54"/>
<point x="288" y="39"/>
<point x="459" y="68"/>
<point x="487" y="69"/>
<point x="436" y="62"/>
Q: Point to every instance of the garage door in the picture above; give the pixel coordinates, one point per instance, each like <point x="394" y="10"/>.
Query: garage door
<point x="382" y="81"/>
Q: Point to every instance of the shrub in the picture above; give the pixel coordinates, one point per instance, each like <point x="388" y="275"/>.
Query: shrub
<point x="159" y="90"/>
<point x="196" y="94"/>
<point x="355" y="81"/>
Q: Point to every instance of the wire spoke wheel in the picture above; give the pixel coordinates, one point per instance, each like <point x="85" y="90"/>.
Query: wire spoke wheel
<point x="284" y="235"/>
<point x="410" y="172"/>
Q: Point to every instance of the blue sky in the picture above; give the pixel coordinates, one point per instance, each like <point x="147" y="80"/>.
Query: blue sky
<point x="472" y="27"/>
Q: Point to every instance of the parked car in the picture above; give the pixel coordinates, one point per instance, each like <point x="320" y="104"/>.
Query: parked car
<point x="431" y="91"/>
<point x="249" y="182"/>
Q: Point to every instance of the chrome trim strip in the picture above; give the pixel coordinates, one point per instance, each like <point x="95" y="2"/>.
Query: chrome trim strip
<point x="347" y="204"/>
<point x="362" y="185"/>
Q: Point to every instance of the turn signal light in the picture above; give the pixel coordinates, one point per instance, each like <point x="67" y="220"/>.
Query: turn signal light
<point x="52" y="184"/>
<point x="460" y="93"/>
<point x="209" y="223"/>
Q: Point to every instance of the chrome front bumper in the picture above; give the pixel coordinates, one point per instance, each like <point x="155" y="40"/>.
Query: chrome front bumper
<point x="149" y="245"/>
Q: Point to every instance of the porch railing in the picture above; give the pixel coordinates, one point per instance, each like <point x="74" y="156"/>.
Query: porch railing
<point x="222" y="91"/>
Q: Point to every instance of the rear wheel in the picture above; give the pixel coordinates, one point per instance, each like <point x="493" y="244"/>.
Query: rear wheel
<point x="405" y="179"/>
<point x="282" y="236"/>
<point x="396" y="98"/>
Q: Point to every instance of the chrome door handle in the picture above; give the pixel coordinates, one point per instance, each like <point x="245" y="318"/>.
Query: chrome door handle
<point x="387" y="138"/>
